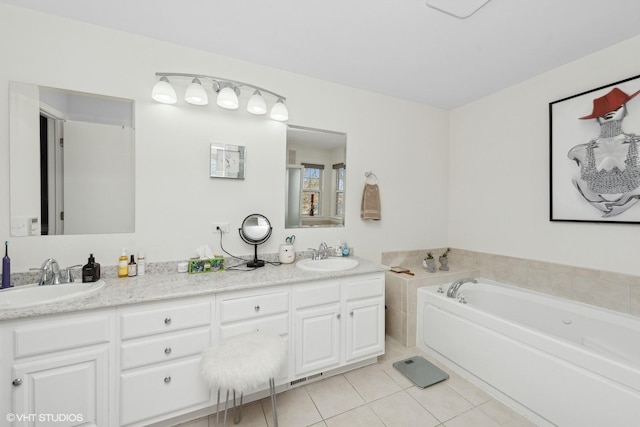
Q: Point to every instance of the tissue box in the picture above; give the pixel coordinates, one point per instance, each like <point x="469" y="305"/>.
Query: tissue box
<point x="206" y="265"/>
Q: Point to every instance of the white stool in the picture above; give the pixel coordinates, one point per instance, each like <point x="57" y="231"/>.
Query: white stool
<point x="241" y="363"/>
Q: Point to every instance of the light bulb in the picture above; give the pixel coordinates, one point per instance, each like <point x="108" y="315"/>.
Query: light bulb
<point x="163" y="92"/>
<point x="256" y="104"/>
<point x="195" y="93"/>
<point x="279" y="111"/>
<point x="227" y="98"/>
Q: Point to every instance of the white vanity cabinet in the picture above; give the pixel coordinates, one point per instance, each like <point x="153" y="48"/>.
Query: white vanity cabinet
<point x="337" y="322"/>
<point x="159" y="359"/>
<point x="59" y="370"/>
<point x="139" y="364"/>
<point x="265" y="309"/>
<point x="318" y="313"/>
<point x="364" y="314"/>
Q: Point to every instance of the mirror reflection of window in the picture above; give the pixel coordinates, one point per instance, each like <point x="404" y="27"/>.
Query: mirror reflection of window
<point x="338" y="170"/>
<point x="312" y="189"/>
<point x="316" y="161"/>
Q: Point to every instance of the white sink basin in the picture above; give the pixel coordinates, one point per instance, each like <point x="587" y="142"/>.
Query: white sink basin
<point x="327" y="264"/>
<point x="29" y="295"/>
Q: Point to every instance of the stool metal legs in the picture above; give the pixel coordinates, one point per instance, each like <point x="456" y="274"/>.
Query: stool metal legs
<point x="237" y="418"/>
<point x="272" y="391"/>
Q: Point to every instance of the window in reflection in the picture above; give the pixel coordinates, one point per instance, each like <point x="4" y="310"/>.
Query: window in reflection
<point x="338" y="171"/>
<point x="312" y="189"/>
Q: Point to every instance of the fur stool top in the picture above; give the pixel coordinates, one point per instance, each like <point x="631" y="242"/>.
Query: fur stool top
<point x="244" y="361"/>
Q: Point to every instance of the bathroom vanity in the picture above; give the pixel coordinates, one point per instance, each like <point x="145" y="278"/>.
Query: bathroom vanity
<point x="129" y="355"/>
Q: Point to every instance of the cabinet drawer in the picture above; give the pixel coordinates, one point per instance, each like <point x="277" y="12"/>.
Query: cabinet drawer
<point x="168" y="387"/>
<point x="364" y="288"/>
<point x="278" y="324"/>
<point x="165" y="318"/>
<point x="55" y="335"/>
<point x="316" y="294"/>
<point x="163" y="348"/>
<point x="242" y="307"/>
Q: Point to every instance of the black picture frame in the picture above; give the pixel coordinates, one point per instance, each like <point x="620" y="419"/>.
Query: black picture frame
<point x="571" y="125"/>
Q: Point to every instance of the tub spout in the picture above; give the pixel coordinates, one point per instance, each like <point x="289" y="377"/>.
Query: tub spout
<point x="452" y="292"/>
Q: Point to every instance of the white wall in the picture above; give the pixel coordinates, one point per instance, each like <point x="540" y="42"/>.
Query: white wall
<point x="499" y="181"/>
<point x="403" y="143"/>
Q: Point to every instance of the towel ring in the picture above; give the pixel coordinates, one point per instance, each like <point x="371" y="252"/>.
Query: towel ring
<point x="372" y="176"/>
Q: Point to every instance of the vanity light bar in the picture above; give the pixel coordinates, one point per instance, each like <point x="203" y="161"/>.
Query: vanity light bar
<point x="227" y="94"/>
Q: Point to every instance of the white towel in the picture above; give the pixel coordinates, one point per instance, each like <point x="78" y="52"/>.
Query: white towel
<point x="370" y="207"/>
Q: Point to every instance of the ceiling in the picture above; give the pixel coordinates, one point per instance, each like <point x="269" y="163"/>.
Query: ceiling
<point x="400" y="48"/>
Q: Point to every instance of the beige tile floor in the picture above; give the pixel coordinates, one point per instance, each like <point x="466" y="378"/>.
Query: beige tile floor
<point x="378" y="395"/>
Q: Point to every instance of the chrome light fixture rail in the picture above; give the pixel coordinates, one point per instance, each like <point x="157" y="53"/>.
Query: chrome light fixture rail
<point x="227" y="91"/>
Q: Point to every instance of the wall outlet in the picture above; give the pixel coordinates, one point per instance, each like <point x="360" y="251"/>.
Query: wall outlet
<point x="224" y="226"/>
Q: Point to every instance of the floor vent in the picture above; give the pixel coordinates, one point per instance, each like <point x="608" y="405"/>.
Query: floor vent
<point x="301" y="380"/>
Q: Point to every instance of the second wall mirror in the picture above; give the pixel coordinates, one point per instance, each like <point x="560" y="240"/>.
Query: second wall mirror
<point x="72" y="157"/>
<point x="315" y="180"/>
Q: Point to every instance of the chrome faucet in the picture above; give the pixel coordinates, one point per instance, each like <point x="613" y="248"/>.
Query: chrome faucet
<point x="49" y="272"/>
<point x="452" y="292"/>
<point x="323" y="251"/>
<point x="52" y="274"/>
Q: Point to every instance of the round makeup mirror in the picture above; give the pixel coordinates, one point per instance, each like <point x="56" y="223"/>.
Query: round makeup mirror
<point x="255" y="230"/>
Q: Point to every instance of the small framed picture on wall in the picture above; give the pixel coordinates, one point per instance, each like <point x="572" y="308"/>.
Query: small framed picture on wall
<point x="227" y="161"/>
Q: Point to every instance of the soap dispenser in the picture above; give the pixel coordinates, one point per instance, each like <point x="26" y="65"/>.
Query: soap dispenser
<point x="91" y="271"/>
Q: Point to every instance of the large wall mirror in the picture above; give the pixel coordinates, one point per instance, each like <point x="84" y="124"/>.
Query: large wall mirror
<point x="316" y="163"/>
<point x="72" y="160"/>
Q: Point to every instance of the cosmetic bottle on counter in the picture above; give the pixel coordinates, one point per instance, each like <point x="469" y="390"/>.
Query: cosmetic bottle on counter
<point x="132" y="268"/>
<point x="123" y="270"/>
<point x="91" y="271"/>
<point x="142" y="264"/>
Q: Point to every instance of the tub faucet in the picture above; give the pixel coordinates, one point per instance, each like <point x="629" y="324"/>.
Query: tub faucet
<point x="452" y="292"/>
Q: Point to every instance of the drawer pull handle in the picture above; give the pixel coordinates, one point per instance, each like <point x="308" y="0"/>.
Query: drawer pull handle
<point x="167" y="380"/>
<point x="167" y="321"/>
<point x="338" y="315"/>
<point x="17" y="382"/>
<point x="256" y="308"/>
<point x="167" y="351"/>
<point x="351" y="314"/>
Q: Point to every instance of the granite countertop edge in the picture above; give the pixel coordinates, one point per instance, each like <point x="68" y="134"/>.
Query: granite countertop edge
<point x="172" y="285"/>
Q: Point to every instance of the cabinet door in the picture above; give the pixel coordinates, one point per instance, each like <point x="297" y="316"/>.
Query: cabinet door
<point x="365" y="329"/>
<point x="63" y="391"/>
<point x="161" y="389"/>
<point x="317" y="339"/>
<point x="278" y="325"/>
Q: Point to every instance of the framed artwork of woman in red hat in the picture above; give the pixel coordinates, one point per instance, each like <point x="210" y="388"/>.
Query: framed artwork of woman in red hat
<point x="595" y="165"/>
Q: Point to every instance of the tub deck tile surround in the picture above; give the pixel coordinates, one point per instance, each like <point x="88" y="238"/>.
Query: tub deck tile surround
<point x="401" y="289"/>
<point x="610" y="290"/>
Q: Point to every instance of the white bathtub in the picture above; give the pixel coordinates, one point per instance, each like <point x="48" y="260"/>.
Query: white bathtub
<point x="568" y="363"/>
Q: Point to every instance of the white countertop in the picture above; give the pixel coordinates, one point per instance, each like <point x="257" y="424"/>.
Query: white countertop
<point x="165" y="286"/>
